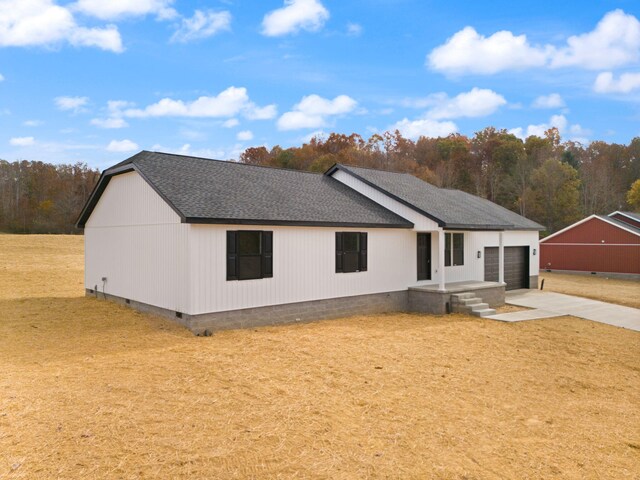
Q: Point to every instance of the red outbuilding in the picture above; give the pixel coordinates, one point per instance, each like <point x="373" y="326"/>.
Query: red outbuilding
<point x="599" y="243"/>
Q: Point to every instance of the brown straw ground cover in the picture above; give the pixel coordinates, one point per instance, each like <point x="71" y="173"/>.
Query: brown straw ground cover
<point x="596" y="287"/>
<point x="90" y="389"/>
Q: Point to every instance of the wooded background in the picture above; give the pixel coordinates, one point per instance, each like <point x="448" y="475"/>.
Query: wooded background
<point x="545" y="179"/>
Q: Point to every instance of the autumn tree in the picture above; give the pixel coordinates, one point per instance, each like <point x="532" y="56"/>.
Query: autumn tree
<point x="554" y="196"/>
<point x="633" y="196"/>
<point x="38" y="197"/>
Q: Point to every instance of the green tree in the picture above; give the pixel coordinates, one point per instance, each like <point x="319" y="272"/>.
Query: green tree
<point x="554" y="195"/>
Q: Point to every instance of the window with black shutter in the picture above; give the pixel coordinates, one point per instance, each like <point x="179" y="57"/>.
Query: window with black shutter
<point x="249" y="255"/>
<point x="351" y="252"/>
<point x="453" y="249"/>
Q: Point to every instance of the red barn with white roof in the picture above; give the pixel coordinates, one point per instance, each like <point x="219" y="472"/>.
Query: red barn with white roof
<point x="599" y="243"/>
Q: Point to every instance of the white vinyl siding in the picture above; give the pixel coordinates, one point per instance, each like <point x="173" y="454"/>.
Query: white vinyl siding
<point x="303" y="267"/>
<point x="135" y="240"/>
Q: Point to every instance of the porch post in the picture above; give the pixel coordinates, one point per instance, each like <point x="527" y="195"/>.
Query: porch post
<point x="441" y="259"/>
<point x="500" y="259"/>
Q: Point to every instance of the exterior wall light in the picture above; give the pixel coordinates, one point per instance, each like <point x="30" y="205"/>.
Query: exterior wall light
<point x="534" y="252"/>
<point x="479" y="254"/>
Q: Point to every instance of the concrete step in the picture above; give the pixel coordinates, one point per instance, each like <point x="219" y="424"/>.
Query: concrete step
<point x="470" y="308"/>
<point x="480" y="306"/>
<point x="485" y="312"/>
<point x="456" y="297"/>
<point x="470" y="301"/>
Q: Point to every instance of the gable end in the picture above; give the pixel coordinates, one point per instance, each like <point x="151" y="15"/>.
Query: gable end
<point x="102" y="184"/>
<point x="337" y="166"/>
<point x="593" y="230"/>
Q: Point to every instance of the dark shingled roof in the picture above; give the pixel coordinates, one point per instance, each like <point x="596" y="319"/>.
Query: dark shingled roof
<point x="452" y="209"/>
<point x="212" y="191"/>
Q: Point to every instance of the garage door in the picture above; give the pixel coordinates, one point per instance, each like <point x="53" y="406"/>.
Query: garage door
<point x="516" y="266"/>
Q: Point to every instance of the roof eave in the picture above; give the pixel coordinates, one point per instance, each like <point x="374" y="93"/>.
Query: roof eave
<point x="492" y="228"/>
<point x="292" y="223"/>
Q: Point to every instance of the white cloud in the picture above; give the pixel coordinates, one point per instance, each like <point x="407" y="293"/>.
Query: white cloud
<point x="558" y="121"/>
<point x="354" y="29"/>
<point x="186" y="150"/>
<point x="75" y="104"/>
<point x="232" y="122"/>
<point x="577" y="129"/>
<point x="41" y="22"/>
<point x="614" y="42"/>
<point x="518" y="132"/>
<point x="296" y="120"/>
<point x="296" y="15"/>
<point x="414" y="129"/>
<point x="202" y="25"/>
<point x="475" y="103"/>
<point x="313" y="110"/>
<point x="106" y="38"/>
<point x="22" y="141"/>
<point x="113" y="122"/>
<point x="573" y="132"/>
<point x="228" y="103"/>
<point x="606" y="83"/>
<point x="469" y="52"/>
<point x="1" y="78"/>
<point x="117" y="9"/>
<point x="245" y="135"/>
<point x="253" y="112"/>
<point x="114" y="118"/>
<point x="115" y="107"/>
<point x="553" y="100"/>
<point x="122" y="146"/>
<point x="32" y="123"/>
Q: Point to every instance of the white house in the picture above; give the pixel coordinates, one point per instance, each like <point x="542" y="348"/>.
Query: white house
<point x="219" y="244"/>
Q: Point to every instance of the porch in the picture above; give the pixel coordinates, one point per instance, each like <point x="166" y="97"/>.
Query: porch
<point x="434" y="299"/>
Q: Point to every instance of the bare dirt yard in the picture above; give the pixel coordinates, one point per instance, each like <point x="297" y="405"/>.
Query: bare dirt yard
<point x="596" y="287"/>
<point x="90" y="389"/>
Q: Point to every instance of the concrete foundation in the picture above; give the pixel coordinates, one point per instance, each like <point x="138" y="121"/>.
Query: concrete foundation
<point x="621" y="276"/>
<point x="419" y="299"/>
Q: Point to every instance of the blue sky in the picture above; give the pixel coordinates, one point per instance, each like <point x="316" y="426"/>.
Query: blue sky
<point x="96" y="81"/>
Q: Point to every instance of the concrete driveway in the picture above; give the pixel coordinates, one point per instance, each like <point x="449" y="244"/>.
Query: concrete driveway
<point x="551" y="304"/>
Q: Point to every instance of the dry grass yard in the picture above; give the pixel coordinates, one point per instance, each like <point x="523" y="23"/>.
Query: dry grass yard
<point x="90" y="390"/>
<point x="613" y="290"/>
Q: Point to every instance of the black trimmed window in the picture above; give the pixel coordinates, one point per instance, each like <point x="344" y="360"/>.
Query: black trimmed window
<point x="351" y="252"/>
<point x="453" y="249"/>
<point x="249" y="254"/>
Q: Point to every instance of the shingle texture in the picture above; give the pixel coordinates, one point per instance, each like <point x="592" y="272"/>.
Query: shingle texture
<point x="212" y="190"/>
<point x="452" y="208"/>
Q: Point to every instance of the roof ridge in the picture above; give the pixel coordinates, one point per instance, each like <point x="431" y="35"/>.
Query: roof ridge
<point x="379" y="170"/>
<point x="229" y="162"/>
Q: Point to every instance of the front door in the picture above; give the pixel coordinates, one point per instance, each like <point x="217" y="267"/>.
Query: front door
<point x="424" y="256"/>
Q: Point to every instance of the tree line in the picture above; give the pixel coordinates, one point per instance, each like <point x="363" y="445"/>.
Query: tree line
<point x="38" y="197"/>
<point x="543" y="178"/>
